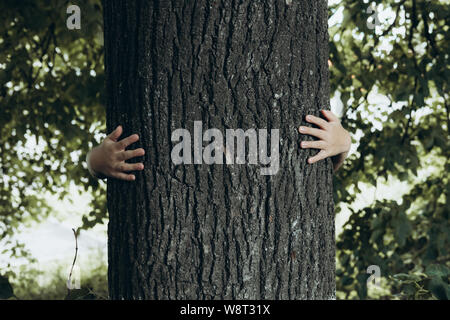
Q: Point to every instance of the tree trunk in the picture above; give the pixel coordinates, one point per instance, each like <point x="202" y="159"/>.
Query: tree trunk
<point x="220" y="231"/>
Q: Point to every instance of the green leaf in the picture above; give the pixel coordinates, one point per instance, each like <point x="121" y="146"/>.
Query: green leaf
<point x="80" y="294"/>
<point x="439" y="289"/>
<point x="6" y="290"/>
<point x="437" y="270"/>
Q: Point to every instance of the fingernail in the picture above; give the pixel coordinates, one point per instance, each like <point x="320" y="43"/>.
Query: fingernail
<point x="308" y="117"/>
<point x="301" y="129"/>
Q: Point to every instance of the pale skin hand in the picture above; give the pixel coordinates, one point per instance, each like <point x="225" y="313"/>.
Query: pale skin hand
<point x="108" y="158"/>
<point x="334" y="141"/>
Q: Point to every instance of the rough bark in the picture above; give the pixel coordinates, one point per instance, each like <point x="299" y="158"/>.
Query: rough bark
<point x="219" y="231"/>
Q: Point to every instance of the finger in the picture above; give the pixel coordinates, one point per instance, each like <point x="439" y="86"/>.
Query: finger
<point x="320" y="156"/>
<point x="129" y="154"/>
<point x="313" y="144"/>
<point x="318" y="121"/>
<point x="122" y="144"/>
<point x="312" y="131"/>
<point x="126" y="167"/>
<point x="115" y="134"/>
<point x="123" y="176"/>
<point x="330" y="116"/>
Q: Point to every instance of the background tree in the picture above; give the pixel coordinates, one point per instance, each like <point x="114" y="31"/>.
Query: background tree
<point x="218" y="231"/>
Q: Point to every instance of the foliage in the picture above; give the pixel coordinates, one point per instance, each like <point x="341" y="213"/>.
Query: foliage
<point x="51" y="93"/>
<point x="32" y="283"/>
<point x="6" y="290"/>
<point x="52" y="97"/>
<point x="406" y="60"/>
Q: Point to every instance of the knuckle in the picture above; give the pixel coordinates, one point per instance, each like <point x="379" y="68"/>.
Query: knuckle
<point x="108" y="145"/>
<point x="118" y="156"/>
<point x="111" y="162"/>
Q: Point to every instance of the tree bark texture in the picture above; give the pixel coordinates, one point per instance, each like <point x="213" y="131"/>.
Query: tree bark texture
<point x="219" y="231"/>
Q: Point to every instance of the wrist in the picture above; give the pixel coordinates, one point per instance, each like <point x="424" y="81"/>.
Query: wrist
<point x="91" y="158"/>
<point x="347" y="144"/>
<point x="338" y="160"/>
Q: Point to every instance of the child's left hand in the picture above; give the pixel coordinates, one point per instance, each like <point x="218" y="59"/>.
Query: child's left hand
<point x="334" y="141"/>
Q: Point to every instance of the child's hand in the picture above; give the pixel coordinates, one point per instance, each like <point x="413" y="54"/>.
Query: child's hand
<point x="108" y="159"/>
<point x="334" y="140"/>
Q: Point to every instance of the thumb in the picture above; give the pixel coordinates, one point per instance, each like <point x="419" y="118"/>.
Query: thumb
<point x="116" y="133"/>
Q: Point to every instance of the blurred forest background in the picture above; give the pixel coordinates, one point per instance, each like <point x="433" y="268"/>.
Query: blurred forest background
<point x="389" y="72"/>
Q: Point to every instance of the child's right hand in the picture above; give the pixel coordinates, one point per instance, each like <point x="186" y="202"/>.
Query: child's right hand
<point x="108" y="159"/>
